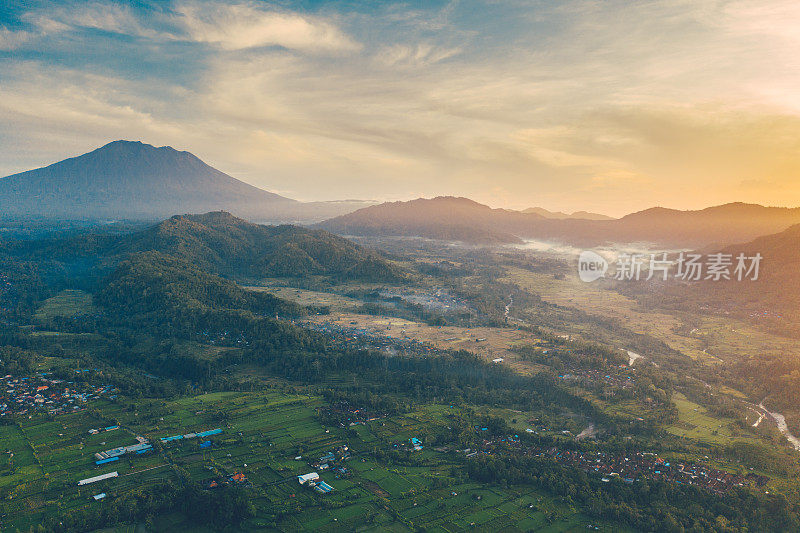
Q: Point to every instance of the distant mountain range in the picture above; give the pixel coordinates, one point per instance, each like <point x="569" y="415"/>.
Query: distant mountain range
<point x="127" y="180"/>
<point x="580" y="215"/>
<point x="137" y="181"/>
<point x="460" y="219"/>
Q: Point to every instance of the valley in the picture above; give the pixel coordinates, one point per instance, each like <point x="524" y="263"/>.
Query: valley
<point x="444" y="387"/>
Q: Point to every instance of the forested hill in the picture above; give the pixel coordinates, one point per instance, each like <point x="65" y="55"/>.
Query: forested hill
<point x="218" y="243"/>
<point x="221" y="243"/>
<point x="151" y="283"/>
<point x="769" y="301"/>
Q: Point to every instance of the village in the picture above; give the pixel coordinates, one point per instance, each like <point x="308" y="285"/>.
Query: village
<point x="433" y="300"/>
<point x="23" y="395"/>
<point x="627" y="467"/>
<point x="344" y="414"/>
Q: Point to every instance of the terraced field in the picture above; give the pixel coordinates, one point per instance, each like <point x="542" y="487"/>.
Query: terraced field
<point x="262" y="434"/>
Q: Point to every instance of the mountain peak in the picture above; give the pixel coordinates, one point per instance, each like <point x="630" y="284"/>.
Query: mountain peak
<point x="138" y="148"/>
<point x="134" y="180"/>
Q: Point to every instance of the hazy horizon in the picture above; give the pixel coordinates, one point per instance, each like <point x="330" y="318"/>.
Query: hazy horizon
<point x="457" y="195"/>
<point x="604" y="107"/>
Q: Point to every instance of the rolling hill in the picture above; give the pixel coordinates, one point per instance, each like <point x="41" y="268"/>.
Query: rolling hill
<point x="460" y="219"/>
<point x="713" y="226"/>
<point x="137" y="181"/>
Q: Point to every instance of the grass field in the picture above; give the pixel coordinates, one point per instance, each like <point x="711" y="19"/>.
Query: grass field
<point x="67" y="303"/>
<point x="313" y="298"/>
<point x="695" y="422"/>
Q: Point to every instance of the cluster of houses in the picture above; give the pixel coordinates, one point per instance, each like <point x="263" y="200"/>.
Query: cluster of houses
<point x="630" y="467"/>
<point x="39" y="393"/>
<point x="331" y="460"/>
<point x="618" y="377"/>
<point x="627" y="467"/>
<point x="143" y="446"/>
<point x="438" y="300"/>
<point x="358" y="338"/>
<point x="413" y="444"/>
<point x="345" y="414"/>
<point x="237" y="478"/>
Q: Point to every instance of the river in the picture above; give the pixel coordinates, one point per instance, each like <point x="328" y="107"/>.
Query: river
<point x="780" y="421"/>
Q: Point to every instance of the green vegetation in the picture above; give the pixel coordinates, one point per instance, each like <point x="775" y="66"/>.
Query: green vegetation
<point x="428" y="428"/>
<point x="66" y="304"/>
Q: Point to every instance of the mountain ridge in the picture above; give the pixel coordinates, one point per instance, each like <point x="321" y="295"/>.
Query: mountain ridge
<point x="447" y="218"/>
<point x="459" y="219"/>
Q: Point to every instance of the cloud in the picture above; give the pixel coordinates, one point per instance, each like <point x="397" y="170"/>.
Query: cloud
<point x="231" y="27"/>
<point x="242" y="26"/>
<point x="609" y="106"/>
<point x="105" y="16"/>
<point x="12" y="40"/>
<point x="64" y="112"/>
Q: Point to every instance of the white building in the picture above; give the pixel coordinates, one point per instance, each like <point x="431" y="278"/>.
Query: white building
<point x="311" y="476"/>
<point x="97" y="478"/>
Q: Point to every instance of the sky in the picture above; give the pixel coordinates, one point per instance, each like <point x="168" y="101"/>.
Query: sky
<point x="600" y="105"/>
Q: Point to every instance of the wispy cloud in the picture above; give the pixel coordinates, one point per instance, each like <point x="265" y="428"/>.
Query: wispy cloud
<point x="237" y="27"/>
<point x="418" y="55"/>
<point x="105" y="16"/>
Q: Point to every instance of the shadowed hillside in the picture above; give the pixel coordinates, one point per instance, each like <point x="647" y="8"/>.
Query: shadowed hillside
<point x="769" y="301"/>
